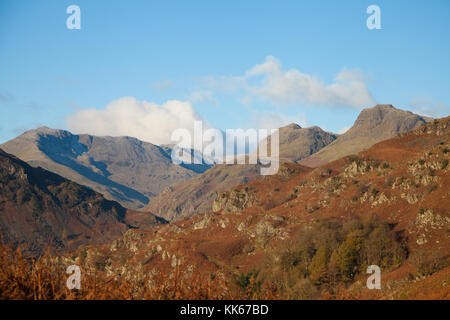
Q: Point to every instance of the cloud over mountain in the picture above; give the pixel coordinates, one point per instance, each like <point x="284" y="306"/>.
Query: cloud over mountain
<point x="144" y="120"/>
<point x="270" y="82"/>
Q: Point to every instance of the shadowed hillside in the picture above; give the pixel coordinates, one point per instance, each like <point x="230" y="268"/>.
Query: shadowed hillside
<point x="41" y="209"/>
<point x="124" y="169"/>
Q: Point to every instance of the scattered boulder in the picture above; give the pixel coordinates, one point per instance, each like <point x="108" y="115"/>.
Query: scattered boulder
<point x="233" y="201"/>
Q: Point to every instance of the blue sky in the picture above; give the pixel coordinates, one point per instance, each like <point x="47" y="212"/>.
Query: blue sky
<point x="318" y="63"/>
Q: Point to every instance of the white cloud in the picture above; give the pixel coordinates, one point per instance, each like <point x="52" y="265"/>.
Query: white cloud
<point x="268" y="81"/>
<point x="144" y="120"/>
<point x="344" y="130"/>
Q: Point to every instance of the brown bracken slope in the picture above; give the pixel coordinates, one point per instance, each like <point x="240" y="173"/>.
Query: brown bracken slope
<point x="196" y="196"/>
<point x="402" y="183"/>
<point x="41" y="209"/>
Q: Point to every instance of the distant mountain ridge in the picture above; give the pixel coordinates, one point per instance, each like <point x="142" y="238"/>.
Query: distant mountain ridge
<point x="296" y="143"/>
<point x="373" y="125"/>
<point x="307" y="146"/>
<point x="196" y="196"/>
<point x="124" y="169"/>
<point x="131" y="172"/>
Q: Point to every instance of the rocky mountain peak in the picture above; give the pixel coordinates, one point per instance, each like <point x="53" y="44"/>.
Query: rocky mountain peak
<point x="373" y="125"/>
<point x="292" y="126"/>
<point x="386" y="117"/>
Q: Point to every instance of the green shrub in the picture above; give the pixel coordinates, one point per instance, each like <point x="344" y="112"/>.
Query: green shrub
<point x="348" y="255"/>
<point x="248" y="282"/>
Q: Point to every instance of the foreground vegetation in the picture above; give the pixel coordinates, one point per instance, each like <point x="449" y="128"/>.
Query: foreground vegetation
<point x="45" y="278"/>
<point x="318" y="263"/>
<point x="331" y="253"/>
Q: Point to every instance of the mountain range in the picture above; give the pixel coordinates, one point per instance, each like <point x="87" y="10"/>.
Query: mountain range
<point x="123" y="169"/>
<point x="141" y="175"/>
<point x="373" y="125"/>
<point x="196" y="196"/>
<point x="307" y="146"/>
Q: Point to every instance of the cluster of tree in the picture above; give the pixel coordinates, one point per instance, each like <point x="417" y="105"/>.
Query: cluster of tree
<point x="331" y="252"/>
